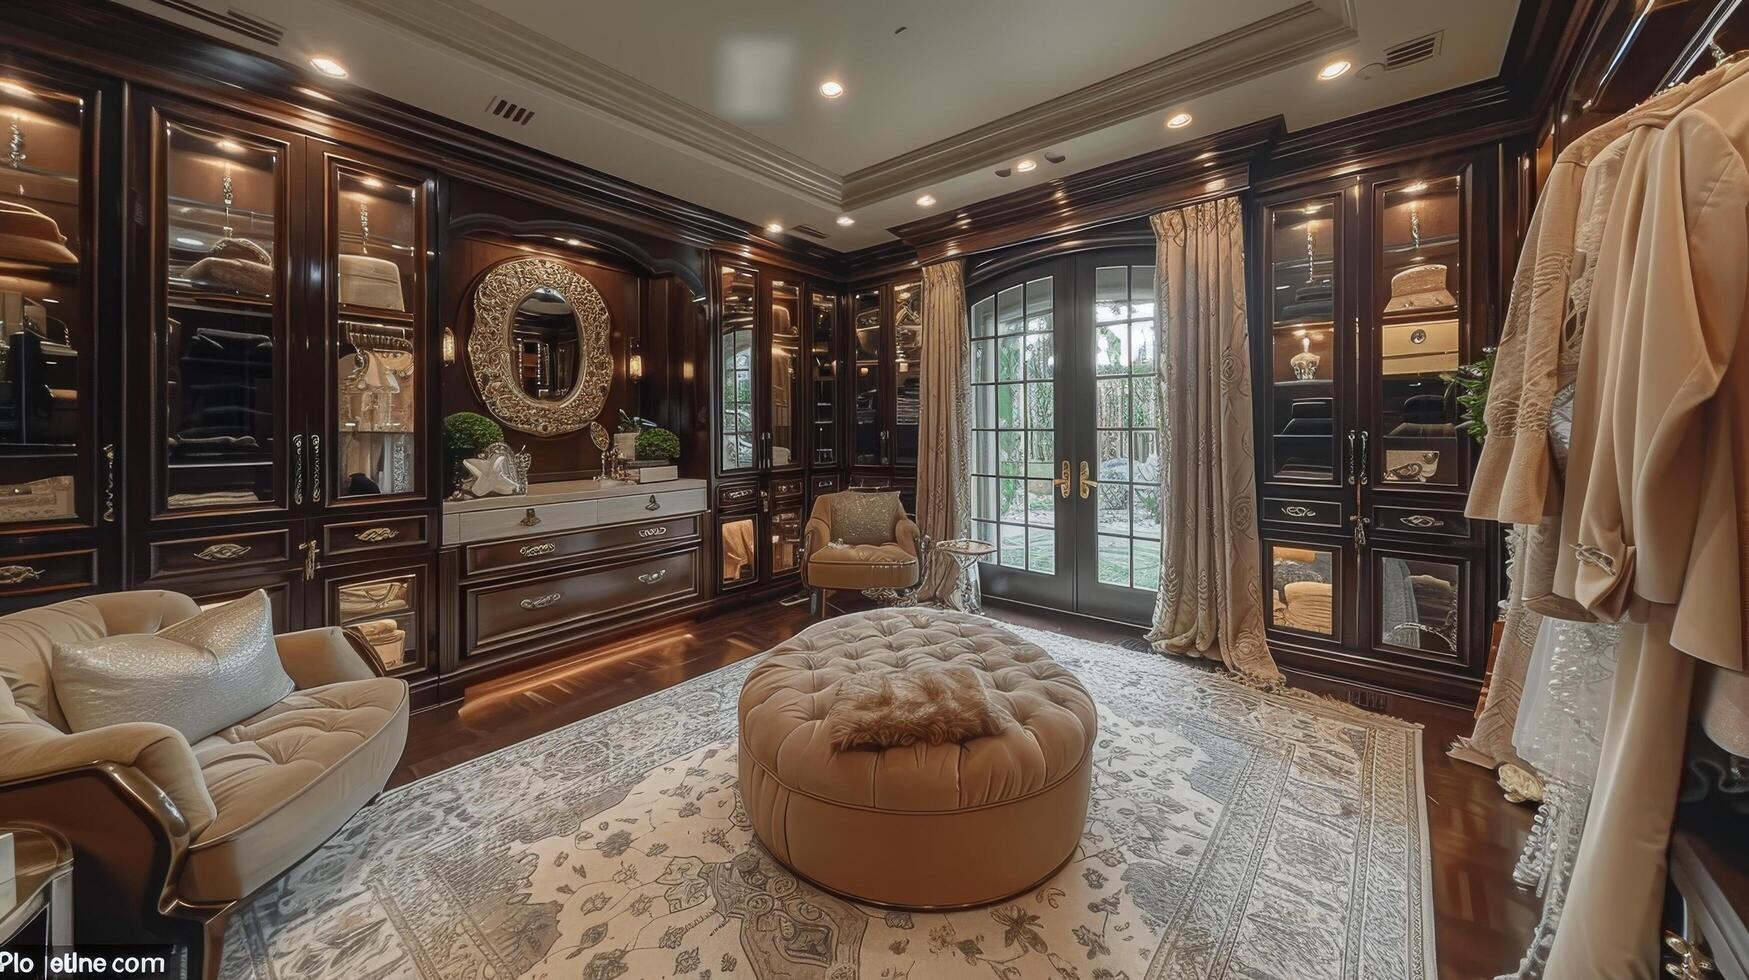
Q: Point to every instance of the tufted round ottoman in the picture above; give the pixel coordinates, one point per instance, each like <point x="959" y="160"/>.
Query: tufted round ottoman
<point x="919" y="826"/>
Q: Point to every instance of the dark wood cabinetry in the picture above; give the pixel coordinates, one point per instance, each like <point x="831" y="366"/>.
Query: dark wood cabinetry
<point x="1371" y="290"/>
<point x="885" y="361"/>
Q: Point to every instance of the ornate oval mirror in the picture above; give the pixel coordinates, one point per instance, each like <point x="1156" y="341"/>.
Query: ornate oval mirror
<point x="538" y="348"/>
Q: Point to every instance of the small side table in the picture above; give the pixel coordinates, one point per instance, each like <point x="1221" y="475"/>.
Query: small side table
<point x="41" y="882"/>
<point x="967" y="552"/>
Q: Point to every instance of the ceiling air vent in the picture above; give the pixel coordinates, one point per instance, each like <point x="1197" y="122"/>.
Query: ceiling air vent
<point x="246" y="24"/>
<point x="1411" y="52"/>
<point x="505" y="109"/>
<point x="808" y="230"/>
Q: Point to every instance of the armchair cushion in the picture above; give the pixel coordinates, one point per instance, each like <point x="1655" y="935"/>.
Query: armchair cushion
<point x="284" y="780"/>
<point x="196" y="676"/>
<point x="322" y="656"/>
<point x="861" y="566"/>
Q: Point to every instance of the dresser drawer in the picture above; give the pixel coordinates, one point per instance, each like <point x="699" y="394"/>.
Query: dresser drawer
<point x="242" y="549"/>
<point x="507" y="522"/>
<point x="1421" y="520"/>
<point x="643" y="506"/>
<point x="741" y="496"/>
<point x="499" y="613"/>
<point x="545" y="549"/>
<point x="787" y="489"/>
<point x="1311" y="513"/>
<point x="28" y="574"/>
<point x="350" y="537"/>
<point x="824" y="484"/>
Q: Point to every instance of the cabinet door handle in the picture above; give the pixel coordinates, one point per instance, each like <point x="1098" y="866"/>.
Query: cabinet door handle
<point x="316" y="469"/>
<point x="310" y="550"/>
<point x="1088" y="484"/>
<point x="375" y="535"/>
<point x="541" y="601"/>
<point x="297" y="469"/>
<point x="651" y="578"/>
<point x="654" y="504"/>
<point x="653" y="532"/>
<point x="223" y="551"/>
<point x="1365" y="462"/>
<point x="536" y="550"/>
<point x="109" y="488"/>
<point x="19" y="574"/>
<point x="1360" y="525"/>
<point x="1423" y="520"/>
<point x="1351" y="470"/>
<point x="1062" y="482"/>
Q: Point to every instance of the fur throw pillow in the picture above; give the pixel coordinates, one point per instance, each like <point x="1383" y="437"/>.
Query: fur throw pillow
<point x="936" y="705"/>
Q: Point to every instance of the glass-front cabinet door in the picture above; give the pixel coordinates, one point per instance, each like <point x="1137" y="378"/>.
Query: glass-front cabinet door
<point x="739" y="290"/>
<point x="869" y="435"/>
<point x="47" y="379"/>
<point x="221" y="345"/>
<point x="823" y="384"/>
<point x="390" y="606"/>
<point x="375" y="265"/>
<point x="783" y="385"/>
<point x="738" y="549"/>
<point x="1302" y="405"/>
<point x="907" y="370"/>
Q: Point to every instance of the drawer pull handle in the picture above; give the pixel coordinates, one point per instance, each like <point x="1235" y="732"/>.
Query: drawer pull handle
<point x="1422" y="520"/>
<point x="19" y="574"/>
<point x="653" y="505"/>
<point x="372" y="535"/>
<point x="536" y="550"/>
<point x="653" y="532"/>
<point x="223" y="551"/>
<point x="543" y="601"/>
<point x="529" y="519"/>
<point x="651" y="578"/>
<point x="1295" y="510"/>
<point x="737" y="494"/>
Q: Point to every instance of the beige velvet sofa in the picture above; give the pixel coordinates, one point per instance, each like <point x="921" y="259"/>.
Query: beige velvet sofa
<point x="169" y="837"/>
<point x="827" y="566"/>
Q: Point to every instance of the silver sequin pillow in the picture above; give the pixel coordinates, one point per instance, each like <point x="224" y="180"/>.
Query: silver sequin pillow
<point x="199" y="676"/>
<point x="864" y="518"/>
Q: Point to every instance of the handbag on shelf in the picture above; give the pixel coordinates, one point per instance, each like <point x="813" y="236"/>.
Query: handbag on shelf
<point x="372" y="597"/>
<point x="387" y="638"/>
<point x="235" y="265"/>
<point x="366" y="280"/>
<point x="28" y="235"/>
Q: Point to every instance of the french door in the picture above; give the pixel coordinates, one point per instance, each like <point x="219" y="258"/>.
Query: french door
<point x="1065" y="455"/>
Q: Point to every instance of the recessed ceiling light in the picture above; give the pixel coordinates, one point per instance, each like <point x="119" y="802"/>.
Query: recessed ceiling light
<point x="1026" y="166"/>
<point x="831" y="90"/>
<point x="774" y="228"/>
<point x="315" y="93"/>
<point x="1178" y="121"/>
<point x="845" y="221"/>
<point x="1335" y="69"/>
<point x="328" y="66"/>
<point x="926" y="201"/>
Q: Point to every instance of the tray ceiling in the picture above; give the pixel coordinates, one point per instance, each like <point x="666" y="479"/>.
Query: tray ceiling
<point x="718" y="103"/>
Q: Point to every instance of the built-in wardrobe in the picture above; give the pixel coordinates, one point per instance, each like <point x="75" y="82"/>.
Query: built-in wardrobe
<point x="885" y="384"/>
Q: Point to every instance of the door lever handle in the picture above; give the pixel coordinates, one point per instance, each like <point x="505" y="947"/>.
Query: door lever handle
<point x="1062" y="482"/>
<point x="1088" y="484"/>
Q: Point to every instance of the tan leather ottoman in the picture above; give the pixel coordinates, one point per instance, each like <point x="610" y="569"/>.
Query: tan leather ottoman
<point x="920" y="826"/>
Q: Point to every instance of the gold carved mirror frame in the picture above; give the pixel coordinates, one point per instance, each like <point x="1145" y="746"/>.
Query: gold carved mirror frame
<point x="492" y="350"/>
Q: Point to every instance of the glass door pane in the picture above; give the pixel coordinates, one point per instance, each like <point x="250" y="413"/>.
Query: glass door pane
<point x="785" y="383"/>
<point x="46" y="372"/>
<point x="1420" y="604"/>
<point x="739" y="289"/>
<point x="1304" y="352"/>
<point x="907" y="369"/>
<point x="1420" y="333"/>
<point x="378" y="341"/>
<point x="823" y="391"/>
<point x="786" y="539"/>
<point x="222" y="342"/>
<point x="739" y="549"/>
<point x="386" y="610"/>
<point x="1303" y="589"/>
<point x="871" y="425"/>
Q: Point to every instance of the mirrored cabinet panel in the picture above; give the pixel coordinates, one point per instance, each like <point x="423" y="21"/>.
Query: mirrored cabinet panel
<point x="388" y="610"/>
<point x="46" y="367"/>
<point x="1303" y="358"/>
<point x="784" y="380"/>
<point x="739" y="548"/>
<point x="379" y="332"/>
<point x="823" y="391"/>
<point x="866" y="333"/>
<point x="907" y="370"/>
<point x="1421" y="330"/>
<point x="221" y="344"/>
<point x="786" y="539"/>
<point x="736" y="375"/>
<point x="1419" y="604"/>
<point x="1304" y="588"/>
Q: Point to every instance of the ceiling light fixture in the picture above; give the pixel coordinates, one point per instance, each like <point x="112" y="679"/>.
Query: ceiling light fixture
<point x="774" y="228"/>
<point x="831" y="90"/>
<point x="926" y="201"/>
<point x="328" y="66"/>
<point x="1334" y="70"/>
<point x="845" y="221"/>
<point x="1026" y="166"/>
<point x="1178" y="121"/>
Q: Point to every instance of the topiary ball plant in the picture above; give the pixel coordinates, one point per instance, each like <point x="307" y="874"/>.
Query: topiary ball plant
<point x="658" y="444"/>
<point x="464" y="435"/>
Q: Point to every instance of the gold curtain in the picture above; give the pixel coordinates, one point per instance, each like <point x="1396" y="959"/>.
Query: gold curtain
<point x="1210" y="602"/>
<point x="944" y="454"/>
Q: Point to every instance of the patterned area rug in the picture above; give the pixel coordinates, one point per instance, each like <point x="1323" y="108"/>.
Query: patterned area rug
<point x="1233" y="834"/>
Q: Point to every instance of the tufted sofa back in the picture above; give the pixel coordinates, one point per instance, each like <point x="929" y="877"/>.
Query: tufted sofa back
<point x="28" y="638"/>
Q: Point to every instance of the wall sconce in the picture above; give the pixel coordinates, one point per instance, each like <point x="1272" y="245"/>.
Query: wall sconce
<point x="635" y="366"/>
<point x="446" y="346"/>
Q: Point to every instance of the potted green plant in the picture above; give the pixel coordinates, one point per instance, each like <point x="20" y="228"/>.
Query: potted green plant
<point x="464" y="435"/>
<point x="657" y="445"/>
<point x="625" y="440"/>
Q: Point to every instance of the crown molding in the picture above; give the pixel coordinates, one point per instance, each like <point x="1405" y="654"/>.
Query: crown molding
<point x="1300" y="32"/>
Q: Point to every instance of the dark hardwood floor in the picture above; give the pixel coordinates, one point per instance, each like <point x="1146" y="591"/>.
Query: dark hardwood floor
<point x="1482" y="921"/>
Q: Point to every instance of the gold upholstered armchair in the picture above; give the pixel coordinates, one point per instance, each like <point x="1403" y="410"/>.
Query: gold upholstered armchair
<point x="168" y="836"/>
<point x="858" y="540"/>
